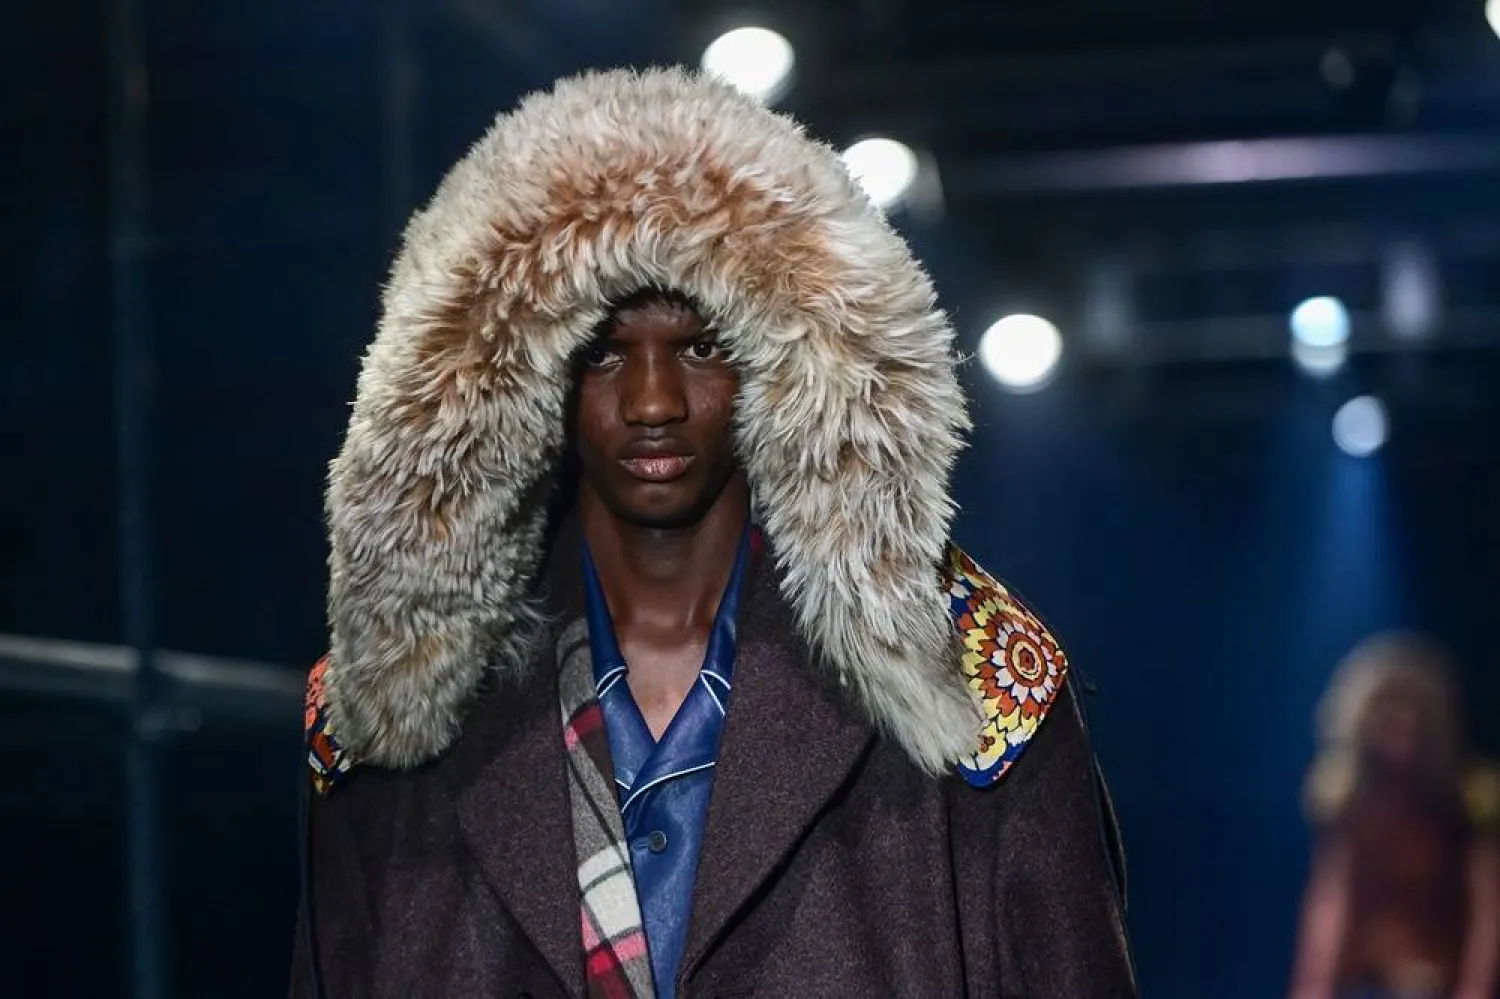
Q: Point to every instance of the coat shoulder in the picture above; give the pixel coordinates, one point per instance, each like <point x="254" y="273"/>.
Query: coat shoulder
<point x="1014" y="666"/>
<point x="329" y="761"/>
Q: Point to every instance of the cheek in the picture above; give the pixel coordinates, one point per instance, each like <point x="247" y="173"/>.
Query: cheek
<point x="713" y="400"/>
<point x="720" y="413"/>
<point x="594" y="420"/>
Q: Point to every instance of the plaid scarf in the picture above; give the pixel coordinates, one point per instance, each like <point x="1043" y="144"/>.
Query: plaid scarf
<point x="616" y="962"/>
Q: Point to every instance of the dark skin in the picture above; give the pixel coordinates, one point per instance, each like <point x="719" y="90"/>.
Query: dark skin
<point x="662" y="499"/>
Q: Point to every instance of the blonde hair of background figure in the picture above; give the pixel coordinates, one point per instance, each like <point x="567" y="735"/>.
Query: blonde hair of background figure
<point x="1424" y="669"/>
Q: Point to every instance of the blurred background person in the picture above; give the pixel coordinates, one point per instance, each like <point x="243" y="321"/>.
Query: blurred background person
<point x="1404" y="895"/>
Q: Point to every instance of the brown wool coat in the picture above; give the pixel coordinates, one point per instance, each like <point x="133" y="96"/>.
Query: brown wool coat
<point x="831" y="866"/>
<point x="841" y="856"/>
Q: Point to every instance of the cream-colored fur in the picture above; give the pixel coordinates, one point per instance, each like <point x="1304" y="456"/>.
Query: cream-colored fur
<point x="849" y="417"/>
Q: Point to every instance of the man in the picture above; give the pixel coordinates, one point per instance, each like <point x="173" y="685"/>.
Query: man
<point x="653" y="672"/>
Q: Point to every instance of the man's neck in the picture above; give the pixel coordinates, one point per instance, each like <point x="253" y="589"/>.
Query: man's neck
<point x="665" y="584"/>
<point x="663" y="589"/>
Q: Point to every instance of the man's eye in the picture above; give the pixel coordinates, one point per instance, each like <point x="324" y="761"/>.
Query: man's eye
<point x="598" y="356"/>
<point x="704" y="350"/>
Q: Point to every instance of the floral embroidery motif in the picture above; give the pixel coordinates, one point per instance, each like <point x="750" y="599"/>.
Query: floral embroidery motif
<point x="1014" y="666"/>
<point x="330" y="763"/>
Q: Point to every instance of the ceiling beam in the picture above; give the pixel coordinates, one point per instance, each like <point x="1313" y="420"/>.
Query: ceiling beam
<point x="1222" y="163"/>
<point x="98" y="673"/>
<point x="1076" y="68"/>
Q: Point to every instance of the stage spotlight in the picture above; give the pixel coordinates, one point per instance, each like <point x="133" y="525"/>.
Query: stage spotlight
<point x="1021" y="351"/>
<point x="1492" y="14"/>
<point x="1320" y="362"/>
<point x="757" y="61"/>
<point x="1360" y="426"/>
<point x="885" y="169"/>
<point x="1321" y="322"/>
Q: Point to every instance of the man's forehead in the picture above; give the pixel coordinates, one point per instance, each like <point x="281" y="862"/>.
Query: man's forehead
<point x="654" y="306"/>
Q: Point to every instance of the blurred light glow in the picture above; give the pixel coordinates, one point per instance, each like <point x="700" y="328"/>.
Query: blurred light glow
<point x="1320" y="362"/>
<point x="756" y="61"/>
<point x="884" y="167"/>
<point x="1321" y="322"/>
<point x="1360" y="426"/>
<point x="1109" y="315"/>
<point x="1338" y="71"/>
<point x="1412" y="293"/>
<point x="1021" y="351"/>
<point x="1492" y="14"/>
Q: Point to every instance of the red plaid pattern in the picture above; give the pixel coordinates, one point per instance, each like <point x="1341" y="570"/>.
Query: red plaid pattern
<point x="616" y="962"/>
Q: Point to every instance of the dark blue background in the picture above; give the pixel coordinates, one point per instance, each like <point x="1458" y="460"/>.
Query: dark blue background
<point x="1191" y="532"/>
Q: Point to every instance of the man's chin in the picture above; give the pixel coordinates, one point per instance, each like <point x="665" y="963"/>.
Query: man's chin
<point x="662" y="511"/>
<point x="662" y="519"/>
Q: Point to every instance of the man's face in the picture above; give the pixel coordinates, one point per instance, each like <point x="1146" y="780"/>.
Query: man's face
<point x="654" y="422"/>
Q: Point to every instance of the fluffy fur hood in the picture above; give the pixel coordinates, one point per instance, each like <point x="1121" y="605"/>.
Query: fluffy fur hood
<point x="848" y="421"/>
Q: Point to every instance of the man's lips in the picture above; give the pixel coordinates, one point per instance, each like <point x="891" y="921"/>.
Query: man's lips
<point x="658" y="468"/>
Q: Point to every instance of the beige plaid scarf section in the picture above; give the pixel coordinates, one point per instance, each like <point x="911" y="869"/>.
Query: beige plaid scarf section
<point x="616" y="962"/>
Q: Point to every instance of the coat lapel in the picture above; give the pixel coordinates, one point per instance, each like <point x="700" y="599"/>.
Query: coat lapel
<point x="787" y="749"/>
<point x="514" y="815"/>
<point x="513" y="807"/>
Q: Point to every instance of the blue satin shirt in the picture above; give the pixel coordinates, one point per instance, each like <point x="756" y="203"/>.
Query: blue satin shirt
<point x="664" y="786"/>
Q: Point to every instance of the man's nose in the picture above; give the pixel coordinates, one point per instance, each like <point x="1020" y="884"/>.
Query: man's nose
<point x="652" y="392"/>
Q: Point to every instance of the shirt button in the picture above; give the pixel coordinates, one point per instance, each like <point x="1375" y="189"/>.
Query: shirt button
<point x="657" y="841"/>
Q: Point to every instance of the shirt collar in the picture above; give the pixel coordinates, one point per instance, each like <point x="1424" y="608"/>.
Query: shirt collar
<point x="691" y="740"/>
<point x="609" y="664"/>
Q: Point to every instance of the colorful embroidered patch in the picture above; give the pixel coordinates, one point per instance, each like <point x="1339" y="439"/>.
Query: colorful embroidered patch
<point x="1013" y="665"/>
<point x="329" y="761"/>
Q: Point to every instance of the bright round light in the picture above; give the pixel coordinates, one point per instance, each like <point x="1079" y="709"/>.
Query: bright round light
<point x="1021" y="351"/>
<point x="1492" y="14"/>
<point x="754" y="60"/>
<point x="1359" y="427"/>
<point x="885" y="168"/>
<point x="1320" y="362"/>
<point x="1321" y="322"/>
